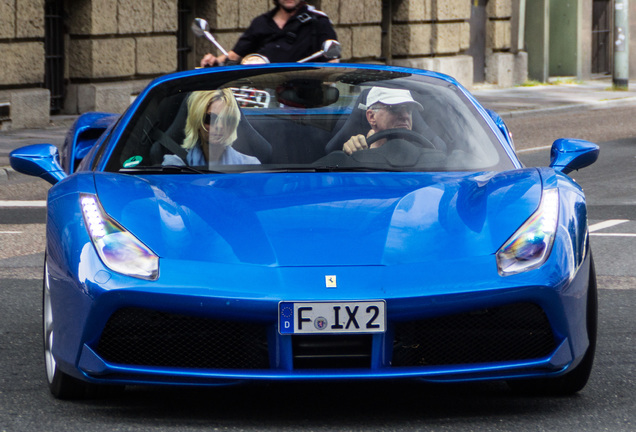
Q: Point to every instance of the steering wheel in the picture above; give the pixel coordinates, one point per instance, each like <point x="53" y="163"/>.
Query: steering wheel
<point x="401" y="133"/>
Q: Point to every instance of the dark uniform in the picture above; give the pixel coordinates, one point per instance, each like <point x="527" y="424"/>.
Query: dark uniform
<point x="301" y="37"/>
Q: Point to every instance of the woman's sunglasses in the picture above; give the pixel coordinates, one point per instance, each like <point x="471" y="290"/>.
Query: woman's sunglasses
<point x="210" y="118"/>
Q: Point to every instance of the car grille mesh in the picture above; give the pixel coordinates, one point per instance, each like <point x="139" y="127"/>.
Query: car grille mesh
<point x="142" y="337"/>
<point x="149" y="338"/>
<point x="508" y="333"/>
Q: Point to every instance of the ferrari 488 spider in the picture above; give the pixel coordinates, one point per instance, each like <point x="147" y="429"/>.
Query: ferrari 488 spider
<point x="206" y="239"/>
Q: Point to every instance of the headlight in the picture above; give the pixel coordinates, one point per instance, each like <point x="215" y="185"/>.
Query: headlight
<point x="118" y="249"/>
<point x="531" y="244"/>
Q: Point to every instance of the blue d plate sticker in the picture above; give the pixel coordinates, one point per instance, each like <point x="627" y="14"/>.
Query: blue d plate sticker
<point x="286" y="318"/>
<point x="133" y="162"/>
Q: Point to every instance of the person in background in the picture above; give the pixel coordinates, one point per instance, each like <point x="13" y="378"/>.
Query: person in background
<point x="210" y="131"/>
<point x="290" y="32"/>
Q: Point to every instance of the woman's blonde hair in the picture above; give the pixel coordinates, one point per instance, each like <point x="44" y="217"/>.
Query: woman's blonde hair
<point x="198" y="104"/>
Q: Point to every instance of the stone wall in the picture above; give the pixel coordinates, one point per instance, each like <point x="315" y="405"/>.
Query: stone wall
<point x="120" y="38"/>
<point x="117" y="40"/>
<point x="434" y="35"/>
<point x="24" y="101"/>
<point x="504" y="66"/>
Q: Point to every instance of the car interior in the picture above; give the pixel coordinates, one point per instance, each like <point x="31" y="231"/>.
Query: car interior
<point x="305" y="120"/>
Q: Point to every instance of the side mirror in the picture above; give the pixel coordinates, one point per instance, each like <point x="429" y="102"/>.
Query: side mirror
<point x="331" y="49"/>
<point x="39" y="160"/>
<point x="199" y="27"/>
<point x="569" y="154"/>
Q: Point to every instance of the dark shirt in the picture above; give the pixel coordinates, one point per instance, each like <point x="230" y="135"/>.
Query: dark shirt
<point x="301" y="36"/>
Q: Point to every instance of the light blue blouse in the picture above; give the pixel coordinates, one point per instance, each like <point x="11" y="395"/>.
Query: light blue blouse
<point x="197" y="158"/>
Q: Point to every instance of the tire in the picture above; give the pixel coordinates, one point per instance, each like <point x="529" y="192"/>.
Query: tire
<point x="61" y="385"/>
<point x="575" y="380"/>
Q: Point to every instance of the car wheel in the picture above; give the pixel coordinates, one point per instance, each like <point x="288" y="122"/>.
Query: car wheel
<point x="62" y="386"/>
<point x="575" y="380"/>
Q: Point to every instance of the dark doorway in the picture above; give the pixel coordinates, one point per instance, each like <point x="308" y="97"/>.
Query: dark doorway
<point x="478" y="21"/>
<point x="54" y="52"/>
<point x="184" y="36"/>
<point x="602" y="37"/>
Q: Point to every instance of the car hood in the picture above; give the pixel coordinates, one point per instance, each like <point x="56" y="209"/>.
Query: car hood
<point x="321" y="219"/>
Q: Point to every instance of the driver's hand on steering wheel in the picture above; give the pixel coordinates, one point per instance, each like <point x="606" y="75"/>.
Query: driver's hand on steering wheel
<point x="356" y="142"/>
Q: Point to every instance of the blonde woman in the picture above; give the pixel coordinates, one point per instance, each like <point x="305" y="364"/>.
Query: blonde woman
<point x="210" y="131"/>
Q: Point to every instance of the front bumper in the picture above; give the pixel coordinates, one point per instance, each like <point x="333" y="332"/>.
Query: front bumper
<point x="158" y="334"/>
<point x="143" y="345"/>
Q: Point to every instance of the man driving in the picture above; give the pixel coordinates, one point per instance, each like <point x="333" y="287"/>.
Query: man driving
<point x="387" y="108"/>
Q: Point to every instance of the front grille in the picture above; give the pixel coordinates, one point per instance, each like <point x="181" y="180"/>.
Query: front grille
<point x="149" y="338"/>
<point x="507" y="333"/>
<point x="331" y="351"/>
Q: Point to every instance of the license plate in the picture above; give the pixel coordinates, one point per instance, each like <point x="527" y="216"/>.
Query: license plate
<point x="331" y="317"/>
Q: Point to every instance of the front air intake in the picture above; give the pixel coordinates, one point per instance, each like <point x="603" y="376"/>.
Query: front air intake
<point x="144" y="337"/>
<point x="506" y="333"/>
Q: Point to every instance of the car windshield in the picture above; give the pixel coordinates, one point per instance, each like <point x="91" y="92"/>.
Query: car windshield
<point x="282" y="119"/>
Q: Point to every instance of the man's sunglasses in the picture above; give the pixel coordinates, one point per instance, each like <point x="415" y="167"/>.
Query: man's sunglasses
<point x="398" y="109"/>
<point x="210" y="118"/>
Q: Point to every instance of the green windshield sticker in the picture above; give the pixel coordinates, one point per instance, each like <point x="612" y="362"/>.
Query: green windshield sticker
<point x="133" y="162"/>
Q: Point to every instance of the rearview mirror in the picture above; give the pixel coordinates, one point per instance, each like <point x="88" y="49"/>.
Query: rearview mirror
<point x="306" y="93"/>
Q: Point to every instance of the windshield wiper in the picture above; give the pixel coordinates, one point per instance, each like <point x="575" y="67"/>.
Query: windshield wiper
<point x="168" y="169"/>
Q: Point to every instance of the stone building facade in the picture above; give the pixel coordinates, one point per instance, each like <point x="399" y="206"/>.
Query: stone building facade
<point x="108" y="50"/>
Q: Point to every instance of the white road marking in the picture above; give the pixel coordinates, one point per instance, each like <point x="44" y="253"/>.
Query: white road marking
<point x="606" y="224"/>
<point x="533" y="149"/>
<point x="612" y="235"/>
<point x="10" y="232"/>
<point x="22" y="203"/>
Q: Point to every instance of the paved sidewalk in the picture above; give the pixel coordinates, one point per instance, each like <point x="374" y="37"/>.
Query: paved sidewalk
<point x="509" y="102"/>
<point x="542" y="99"/>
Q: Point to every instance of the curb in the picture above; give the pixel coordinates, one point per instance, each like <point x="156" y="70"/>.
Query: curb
<point x="4" y="175"/>
<point x="575" y="107"/>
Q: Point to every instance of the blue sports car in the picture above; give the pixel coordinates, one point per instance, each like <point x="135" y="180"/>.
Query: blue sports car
<point x="311" y="222"/>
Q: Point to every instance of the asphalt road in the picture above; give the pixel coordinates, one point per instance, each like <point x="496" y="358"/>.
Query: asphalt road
<point x="607" y="403"/>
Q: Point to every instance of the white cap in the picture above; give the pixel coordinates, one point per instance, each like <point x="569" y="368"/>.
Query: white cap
<point x="390" y="96"/>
